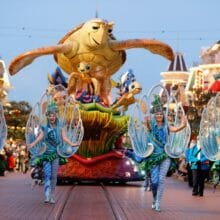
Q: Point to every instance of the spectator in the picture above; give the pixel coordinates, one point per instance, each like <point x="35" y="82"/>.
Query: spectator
<point x="3" y="165"/>
<point x="10" y="160"/>
<point x="182" y="166"/>
<point x="200" y="169"/>
<point x="22" y="158"/>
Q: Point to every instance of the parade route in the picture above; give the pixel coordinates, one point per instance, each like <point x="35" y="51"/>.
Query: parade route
<point x="109" y="110"/>
<point x="19" y="200"/>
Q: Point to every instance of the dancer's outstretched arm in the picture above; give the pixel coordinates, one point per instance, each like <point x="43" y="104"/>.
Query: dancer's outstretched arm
<point x="182" y="126"/>
<point x="67" y="140"/>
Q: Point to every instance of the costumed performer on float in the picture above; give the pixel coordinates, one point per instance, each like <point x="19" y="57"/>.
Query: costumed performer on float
<point x="158" y="162"/>
<point x="53" y="134"/>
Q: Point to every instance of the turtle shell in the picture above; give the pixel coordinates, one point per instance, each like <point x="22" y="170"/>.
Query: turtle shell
<point x="101" y="59"/>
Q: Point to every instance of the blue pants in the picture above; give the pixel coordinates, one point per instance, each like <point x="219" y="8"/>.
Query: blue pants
<point x="158" y="175"/>
<point x="147" y="182"/>
<point x="50" y="176"/>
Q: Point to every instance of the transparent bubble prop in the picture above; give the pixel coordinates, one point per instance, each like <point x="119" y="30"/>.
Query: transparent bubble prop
<point x="32" y="130"/>
<point x="138" y="134"/>
<point x="207" y="138"/>
<point x="209" y="133"/>
<point x="73" y="128"/>
<point x="177" y="142"/>
<point x="217" y="123"/>
<point x="3" y="128"/>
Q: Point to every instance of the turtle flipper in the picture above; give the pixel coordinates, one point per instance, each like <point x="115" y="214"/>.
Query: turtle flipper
<point x="26" y="58"/>
<point x="153" y="46"/>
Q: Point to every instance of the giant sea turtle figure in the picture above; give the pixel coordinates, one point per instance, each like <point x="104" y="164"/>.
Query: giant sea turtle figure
<point x="94" y="43"/>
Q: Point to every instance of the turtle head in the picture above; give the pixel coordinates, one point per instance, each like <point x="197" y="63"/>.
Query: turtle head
<point x="83" y="67"/>
<point x="96" y="32"/>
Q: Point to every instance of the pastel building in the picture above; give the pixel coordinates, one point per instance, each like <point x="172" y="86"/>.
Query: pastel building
<point x="204" y="75"/>
<point x="176" y="77"/>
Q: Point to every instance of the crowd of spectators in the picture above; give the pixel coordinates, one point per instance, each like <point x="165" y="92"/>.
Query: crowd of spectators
<point x="14" y="157"/>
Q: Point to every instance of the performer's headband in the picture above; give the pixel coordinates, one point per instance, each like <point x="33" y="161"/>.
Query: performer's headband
<point x="156" y="105"/>
<point x="51" y="108"/>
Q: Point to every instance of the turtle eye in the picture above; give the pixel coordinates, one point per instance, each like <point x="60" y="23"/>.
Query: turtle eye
<point x="87" y="67"/>
<point x="109" y="31"/>
<point x="95" y="27"/>
<point x="133" y="86"/>
<point x="78" y="65"/>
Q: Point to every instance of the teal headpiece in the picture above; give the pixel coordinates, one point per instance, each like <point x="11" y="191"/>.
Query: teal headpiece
<point x="156" y="105"/>
<point x="51" y="108"/>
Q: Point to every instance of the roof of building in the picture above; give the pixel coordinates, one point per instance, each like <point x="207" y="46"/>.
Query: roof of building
<point x="178" y="64"/>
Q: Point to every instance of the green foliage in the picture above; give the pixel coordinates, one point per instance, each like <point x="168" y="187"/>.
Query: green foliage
<point x="16" y="115"/>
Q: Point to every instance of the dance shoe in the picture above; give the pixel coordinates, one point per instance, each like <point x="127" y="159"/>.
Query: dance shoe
<point x="157" y="207"/>
<point x="52" y="199"/>
<point x="47" y="199"/>
<point x="153" y="206"/>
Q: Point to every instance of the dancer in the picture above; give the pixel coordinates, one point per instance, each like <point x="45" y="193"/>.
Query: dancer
<point x="53" y="135"/>
<point x="158" y="162"/>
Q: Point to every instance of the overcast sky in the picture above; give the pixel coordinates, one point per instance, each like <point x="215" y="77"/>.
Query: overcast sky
<point x="186" y="25"/>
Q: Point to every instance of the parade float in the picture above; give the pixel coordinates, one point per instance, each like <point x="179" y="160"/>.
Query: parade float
<point x="91" y="55"/>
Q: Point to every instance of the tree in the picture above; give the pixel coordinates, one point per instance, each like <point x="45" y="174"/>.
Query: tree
<point x="16" y="115"/>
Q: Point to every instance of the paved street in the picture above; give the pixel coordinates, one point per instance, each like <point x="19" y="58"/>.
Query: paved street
<point x="18" y="200"/>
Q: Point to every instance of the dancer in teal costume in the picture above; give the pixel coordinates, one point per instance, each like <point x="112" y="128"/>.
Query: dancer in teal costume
<point x="53" y="135"/>
<point x="158" y="163"/>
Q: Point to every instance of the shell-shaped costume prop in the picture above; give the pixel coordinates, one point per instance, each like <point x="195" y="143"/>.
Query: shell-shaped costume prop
<point x="68" y="116"/>
<point x="93" y="43"/>
<point x="139" y="135"/>
<point x="143" y="141"/>
<point x="3" y="128"/>
<point x="177" y="142"/>
<point x="209" y="133"/>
